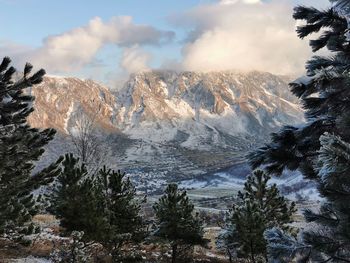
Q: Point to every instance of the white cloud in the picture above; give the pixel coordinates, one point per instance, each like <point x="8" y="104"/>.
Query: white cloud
<point x="252" y="1"/>
<point x="76" y="48"/>
<point x="134" y="59"/>
<point x="228" y="34"/>
<point x="237" y="35"/>
<point x="230" y="2"/>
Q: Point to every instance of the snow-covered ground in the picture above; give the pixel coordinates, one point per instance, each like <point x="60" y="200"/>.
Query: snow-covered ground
<point x="219" y="180"/>
<point x="31" y="259"/>
<point x="292" y="184"/>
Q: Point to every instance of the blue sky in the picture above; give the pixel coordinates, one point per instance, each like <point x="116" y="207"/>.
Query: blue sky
<point x="92" y="39"/>
<point x="47" y="17"/>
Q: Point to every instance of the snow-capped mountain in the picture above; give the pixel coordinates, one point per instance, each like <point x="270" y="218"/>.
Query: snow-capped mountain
<point x="59" y="99"/>
<point x="204" y="108"/>
<point x="174" y="123"/>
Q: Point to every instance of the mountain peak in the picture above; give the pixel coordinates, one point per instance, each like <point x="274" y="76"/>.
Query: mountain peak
<point x="165" y="115"/>
<point x="230" y="101"/>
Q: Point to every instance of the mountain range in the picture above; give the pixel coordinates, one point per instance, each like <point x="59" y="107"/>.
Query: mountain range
<point x="170" y="124"/>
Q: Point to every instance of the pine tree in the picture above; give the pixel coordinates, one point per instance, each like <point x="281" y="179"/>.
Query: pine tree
<point x="325" y="96"/>
<point x="20" y="147"/>
<point x="176" y="222"/>
<point x="121" y="211"/>
<point x="259" y="207"/>
<point x="75" y="200"/>
<point x="331" y="238"/>
<point x="103" y="206"/>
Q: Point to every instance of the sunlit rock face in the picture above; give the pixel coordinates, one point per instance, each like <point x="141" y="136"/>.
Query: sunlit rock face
<point x="159" y="105"/>
<point x="59" y="99"/>
<point x="184" y="123"/>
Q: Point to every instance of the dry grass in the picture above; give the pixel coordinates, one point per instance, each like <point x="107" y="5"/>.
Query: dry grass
<point x="10" y="250"/>
<point x="41" y="248"/>
<point x="45" y="219"/>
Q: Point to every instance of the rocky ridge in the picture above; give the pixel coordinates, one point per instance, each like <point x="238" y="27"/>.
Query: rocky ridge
<point x="170" y="124"/>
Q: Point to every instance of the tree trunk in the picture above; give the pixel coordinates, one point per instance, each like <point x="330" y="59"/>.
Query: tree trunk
<point x="253" y="258"/>
<point x="229" y="255"/>
<point x="252" y="251"/>
<point x="174" y="253"/>
<point x="115" y="254"/>
<point x="114" y="257"/>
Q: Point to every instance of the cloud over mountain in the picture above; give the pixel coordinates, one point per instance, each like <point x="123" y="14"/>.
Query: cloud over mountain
<point x="212" y="36"/>
<point x="77" y="47"/>
<point x="243" y="34"/>
<point x="135" y="59"/>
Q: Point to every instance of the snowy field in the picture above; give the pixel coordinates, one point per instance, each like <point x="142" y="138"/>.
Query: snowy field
<point x="291" y="184"/>
<point x="31" y="260"/>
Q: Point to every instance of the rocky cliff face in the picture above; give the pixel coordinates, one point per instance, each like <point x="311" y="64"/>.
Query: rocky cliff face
<point x="179" y="124"/>
<point x="202" y="108"/>
<point x="58" y="100"/>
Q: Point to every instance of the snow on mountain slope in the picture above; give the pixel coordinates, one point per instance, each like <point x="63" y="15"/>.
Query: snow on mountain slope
<point x="203" y="106"/>
<point x="58" y="99"/>
<point x="173" y="124"/>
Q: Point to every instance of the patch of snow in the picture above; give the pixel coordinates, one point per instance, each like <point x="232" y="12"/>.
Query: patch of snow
<point x="295" y="106"/>
<point x="31" y="259"/>
<point x="181" y="107"/>
<point x="164" y="87"/>
<point x="68" y="114"/>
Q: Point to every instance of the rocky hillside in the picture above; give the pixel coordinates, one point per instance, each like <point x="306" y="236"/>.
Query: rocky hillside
<point x="200" y="110"/>
<point x="58" y="100"/>
<point x="178" y="124"/>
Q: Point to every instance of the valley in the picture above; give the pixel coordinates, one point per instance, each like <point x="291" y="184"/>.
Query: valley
<point x="162" y="126"/>
<point x="169" y="125"/>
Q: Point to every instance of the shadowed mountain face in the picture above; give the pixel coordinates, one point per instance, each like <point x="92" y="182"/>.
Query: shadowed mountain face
<point x="174" y="124"/>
